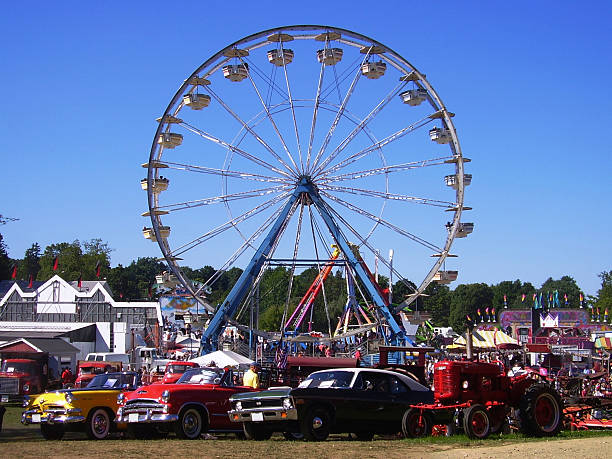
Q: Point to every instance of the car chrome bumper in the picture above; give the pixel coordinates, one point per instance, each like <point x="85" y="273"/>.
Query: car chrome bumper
<point x="133" y="418"/>
<point x="267" y="414"/>
<point x="52" y="418"/>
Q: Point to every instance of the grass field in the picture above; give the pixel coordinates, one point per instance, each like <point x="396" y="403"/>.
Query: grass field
<point x="17" y="440"/>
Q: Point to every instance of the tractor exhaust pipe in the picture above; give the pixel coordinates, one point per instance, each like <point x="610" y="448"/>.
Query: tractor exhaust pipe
<point x="468" y="344"/>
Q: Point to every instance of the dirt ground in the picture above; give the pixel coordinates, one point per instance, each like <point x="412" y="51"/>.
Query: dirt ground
<point x="17" y="441"/>
<point x="75" y="445"/>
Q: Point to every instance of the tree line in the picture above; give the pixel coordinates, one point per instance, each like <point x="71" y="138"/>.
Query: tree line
<point x="90" y="260"/>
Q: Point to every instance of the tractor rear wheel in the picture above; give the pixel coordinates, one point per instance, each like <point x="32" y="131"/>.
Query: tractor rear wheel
<point x="476" y="422"/>
<point x="541" y="411"/>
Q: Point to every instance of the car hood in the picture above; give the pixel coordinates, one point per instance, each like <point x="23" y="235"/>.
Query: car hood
<point x="155" y="390"/>
<point x="268" y="393"/>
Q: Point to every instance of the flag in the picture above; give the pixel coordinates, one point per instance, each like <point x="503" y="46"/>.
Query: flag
<point x="523" y="298"/>
<point x="98" y="267"/>
<point x="80" y="281"/>
<point x="150" y="292"/>
<point x="31" y="281"/>
<point x="14" y="273"/>
<point x="280" y="357"/>
<point x="55" y="263"/>
<point x="541" y="301"/>
<point x="120" y="294"/>
<point x="505" y="301"/>
<point x="565" y="298"/>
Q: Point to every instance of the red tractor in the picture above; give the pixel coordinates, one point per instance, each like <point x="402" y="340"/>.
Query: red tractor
<point x="480" y="398"/>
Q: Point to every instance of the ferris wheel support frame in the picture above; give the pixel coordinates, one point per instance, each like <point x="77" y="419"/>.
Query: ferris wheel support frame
<point x="226" y="311"/>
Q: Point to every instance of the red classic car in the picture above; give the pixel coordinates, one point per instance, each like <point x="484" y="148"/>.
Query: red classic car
<point x="197" y="403"/>
<point x="174" y="371"/>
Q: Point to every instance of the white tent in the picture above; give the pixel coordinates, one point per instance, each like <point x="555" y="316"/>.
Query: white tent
<point x="223" y="359"/>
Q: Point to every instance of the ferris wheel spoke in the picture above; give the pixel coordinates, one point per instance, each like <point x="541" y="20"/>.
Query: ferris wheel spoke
<point x="315" y="111"/>
<point x="362" y="124"/>
<point x="227" y="225"/>
<point x="237" y="150"/>
<point x="339" y="114"/>
<point x="247" y="242"/>
<point x="295" y="126"/>
<point x="379" y="220"/>
<point x="270" y="81"/>
<point x="394" y="168"/>
<point x="258" y="193"/>
<point x="225" y="173"/>
<point x="274" y="126"/>
<point x="248" y="128"/>
<point x="376" y="145"/>
<point x="390" y="196"/>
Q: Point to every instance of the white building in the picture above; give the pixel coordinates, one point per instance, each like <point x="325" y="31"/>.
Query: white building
<point x="86" y="316"/>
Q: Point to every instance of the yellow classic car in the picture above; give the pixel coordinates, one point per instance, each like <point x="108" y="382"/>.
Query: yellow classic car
<point x="90" y="409"/>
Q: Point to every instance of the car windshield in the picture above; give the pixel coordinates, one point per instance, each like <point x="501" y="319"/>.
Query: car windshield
<point x="201" y="376"/>
<point x="178" y="368"/>
<point x="16" y="367"/>
<point x="91" y="370"/>
<point x="325" y="379"/>
<point x="112" y="381"/>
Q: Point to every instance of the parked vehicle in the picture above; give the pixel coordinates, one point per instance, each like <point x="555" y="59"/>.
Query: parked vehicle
<point x="363" y="401"/>
<point x="147" y="357"/>
<point x="109" y="357"/>
<point x="24" y="373"/>
<point x="174" y="371"/>
<point x="197" y="403"/>
<point x="87" y="370"/>
<point x="90" y="409"/>
<point x="480" y="399"/>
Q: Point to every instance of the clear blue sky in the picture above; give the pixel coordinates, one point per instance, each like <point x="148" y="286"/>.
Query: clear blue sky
<point x="82" y="83"/>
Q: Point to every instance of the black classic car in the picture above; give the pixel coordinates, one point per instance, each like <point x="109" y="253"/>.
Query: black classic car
<point x="361" y="401"/>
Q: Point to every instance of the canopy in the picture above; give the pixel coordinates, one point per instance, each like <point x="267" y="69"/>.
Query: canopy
<point x="223" y="359"/>
<point x="487" y="339"/>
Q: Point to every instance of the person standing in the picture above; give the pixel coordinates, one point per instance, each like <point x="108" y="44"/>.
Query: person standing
<point x="251" y="378"/>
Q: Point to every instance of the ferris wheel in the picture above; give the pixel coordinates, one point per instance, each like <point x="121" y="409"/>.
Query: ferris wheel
<point x="298" y="138"/>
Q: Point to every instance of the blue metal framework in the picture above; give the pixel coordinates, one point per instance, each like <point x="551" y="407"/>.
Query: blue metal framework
<point x="305" y="193"/>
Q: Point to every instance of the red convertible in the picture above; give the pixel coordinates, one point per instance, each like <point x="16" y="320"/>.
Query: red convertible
<point x="197" y="403"/>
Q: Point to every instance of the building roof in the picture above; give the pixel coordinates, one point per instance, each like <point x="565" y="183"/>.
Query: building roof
<point x="5" y="286"/>
<point x="51" y="345"/>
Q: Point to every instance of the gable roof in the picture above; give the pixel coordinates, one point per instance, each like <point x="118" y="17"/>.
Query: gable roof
<point x="51" y="345"/>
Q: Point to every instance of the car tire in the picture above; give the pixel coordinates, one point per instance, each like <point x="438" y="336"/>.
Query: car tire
<point x="316" y="424"/>
<point x="416" y="423"/>
<point x="541" y="411"/>
<point x="256" y="432"/>
<point x="476" y="422"/>
<point x="190" y="424"/>
<point x="98" y="424"/>
<point x="51" y="432"/>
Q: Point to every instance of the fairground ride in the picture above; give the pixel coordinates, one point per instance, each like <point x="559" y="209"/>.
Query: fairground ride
<point x="296" y="138"/>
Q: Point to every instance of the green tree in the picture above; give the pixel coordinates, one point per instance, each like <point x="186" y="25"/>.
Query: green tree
<point x="437" y="303"/>
<point x="564" y="286"/>
<point x="31" y="262"/>
<point x="514" y="292"/>
<point x="467" y="299"/>
<point x="5" y="261"/>
<point x="134" y="281"/>
<point x="604" y="294"/>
